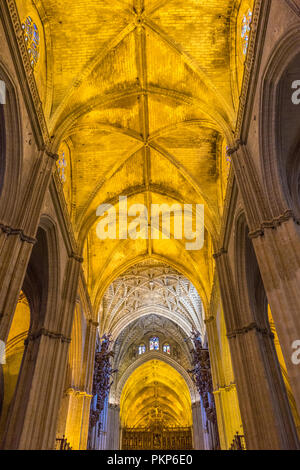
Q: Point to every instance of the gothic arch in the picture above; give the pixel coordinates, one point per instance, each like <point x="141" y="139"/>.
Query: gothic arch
<point x="164" y="312"/>
<point x="123" y="301"/>
<point x="252" y="298"/>
<point x="41" y="287"/>
<point x="41" y="283"/>
<point x="279" y="137"/>
<point x="115" y="398"/>
<point x="14" y="353"/>
<point x="10" y="148"/>
<point x="253" y="328"/>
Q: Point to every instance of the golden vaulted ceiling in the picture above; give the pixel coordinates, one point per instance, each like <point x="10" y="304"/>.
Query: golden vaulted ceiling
<point x="155" y="390"/>
<point x="142" y="97"/>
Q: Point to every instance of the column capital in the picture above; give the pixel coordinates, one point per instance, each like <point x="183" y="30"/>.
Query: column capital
<point x="76" y="257"/>
<point x="53" y="156"/>
<point x="8" y="230"/>
<point x="220" y="253"/>
<point x="77" y="392"/>
<point x="231" y="150"/>
<point x="274" y="223"/>
<point x="251" y="327"/>
<point x="49" y="334"/>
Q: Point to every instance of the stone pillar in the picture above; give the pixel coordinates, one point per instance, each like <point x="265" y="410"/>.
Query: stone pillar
<point x="78" y="404"/>
<point x="197" y="426"/>
<point x="113" y="427"/>
<point x="278" y="256"/>
<point x="275" y="233"/>
<point x="85" y="421"/>
<point x="17" y="239"/>
<point x="226" y="400"/>
<point x="33" y="416"/>
<point x="87" y="378"/>
<point x="73" y="422"/>
<point x="228" y="412"/>
<point x="266" y="416"/>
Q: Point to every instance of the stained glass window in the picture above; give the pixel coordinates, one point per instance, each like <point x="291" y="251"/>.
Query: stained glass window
<point x="32" y="39"/>
<point x="246" y="26"/>
<point x="142" y="349"/>
<point x="167" y="348"/>
<point x="62" y="165"/>
<point x="154" y="343"/>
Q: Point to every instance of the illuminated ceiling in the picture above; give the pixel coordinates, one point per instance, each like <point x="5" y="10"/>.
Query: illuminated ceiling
<point x="155" y="390"/>
<point x="127" y="355"/>
<point x="151" y="288"/>
<point x="142" y="96"/>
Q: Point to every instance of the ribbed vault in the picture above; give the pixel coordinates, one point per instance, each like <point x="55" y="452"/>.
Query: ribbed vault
<point x="150" y="288"/>
<point x="155" y="389"/>
<point x="142" y="96"/>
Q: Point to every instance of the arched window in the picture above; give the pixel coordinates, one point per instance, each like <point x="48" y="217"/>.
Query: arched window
<point x="246" y="26"/>
<point x="167" y="348"/>
<point x="154" y="343"/>
<point x="32" y="39"/>
<point x="142" y="349"/>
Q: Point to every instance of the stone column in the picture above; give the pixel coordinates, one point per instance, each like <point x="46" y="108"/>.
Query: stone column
<point x="227" y="406"/>
<point x="17" y="239"/>
<point x="266" y="416"/>
<point x="77" y="404"/>
<point x="278" y="255"/>
<point x="85" y="421"/>
<point x="197" y="426"/>
<point x="275" y="233"/>
<point x="33" y="416"/>
<point x="228" y="412"/>
<point x="113" y="427"/>
<point x="87" y="379"/>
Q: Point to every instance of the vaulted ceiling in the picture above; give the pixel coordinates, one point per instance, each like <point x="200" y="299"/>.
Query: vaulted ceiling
<point x="151" y="288"/>
<point x="155" y="390"/>
<point x="142" y="95"/>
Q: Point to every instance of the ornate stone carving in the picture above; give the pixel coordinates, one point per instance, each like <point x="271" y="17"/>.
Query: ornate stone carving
<point x="152" y="286"/>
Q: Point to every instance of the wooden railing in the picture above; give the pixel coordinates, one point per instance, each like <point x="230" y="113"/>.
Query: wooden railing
<point x="238" y="442"/>
<point x="62" y="444"/>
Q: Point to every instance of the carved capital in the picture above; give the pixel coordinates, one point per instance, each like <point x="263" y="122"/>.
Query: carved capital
<point x="49" y="334"/>
<point x="251" y="327"/>
<point x="18" y="232"/>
